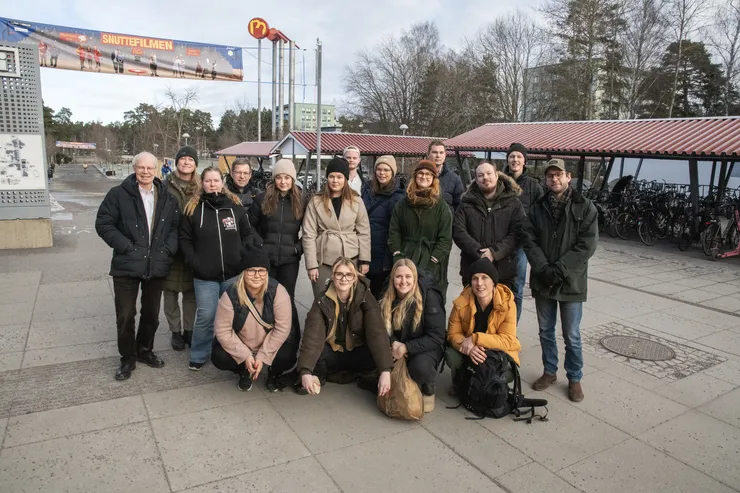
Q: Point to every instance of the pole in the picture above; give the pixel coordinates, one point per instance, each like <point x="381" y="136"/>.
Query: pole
<point x="274" y="88"/>
<point x="694" y="184"/>
<point x="291" y="87"/>
<point x="259" y="90"/>
<point x="605" y="181"/>
<point x="639" y="166"/>
<point x="581" y="170"/>
<point x="318" y="113"/>
<point x="621" y="169"/>
<point x="281" y="89"/>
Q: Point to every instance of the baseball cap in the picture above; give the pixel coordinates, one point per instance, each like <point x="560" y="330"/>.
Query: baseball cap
<point x="555" y="163"/>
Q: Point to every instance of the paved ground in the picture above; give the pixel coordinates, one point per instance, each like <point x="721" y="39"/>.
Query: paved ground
<point x="66" y="425"/>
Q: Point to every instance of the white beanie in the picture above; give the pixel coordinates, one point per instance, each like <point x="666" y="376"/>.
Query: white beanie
<point x="284" y="166"/>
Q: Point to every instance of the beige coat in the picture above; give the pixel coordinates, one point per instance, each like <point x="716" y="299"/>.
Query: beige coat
<point x="326" y="237"/>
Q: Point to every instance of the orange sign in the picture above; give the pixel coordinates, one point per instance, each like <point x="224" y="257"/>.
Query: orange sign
<point x="192" y="52"/>
<point x="258" y="28"/>
<point x="137" y="51"/>
<point x="74" y="38"/>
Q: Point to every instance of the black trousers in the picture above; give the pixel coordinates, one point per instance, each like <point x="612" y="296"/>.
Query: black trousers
<point x="423" y="369"/>
<point x="359" y="360"/>
<point x="126" y="291"/>
<point x="286" y="275"/>
<point x="284" y="360"/>
<point x="377" y="282"/>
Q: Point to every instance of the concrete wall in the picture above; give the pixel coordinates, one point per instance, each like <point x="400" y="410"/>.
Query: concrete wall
<point x="25" y="233"/>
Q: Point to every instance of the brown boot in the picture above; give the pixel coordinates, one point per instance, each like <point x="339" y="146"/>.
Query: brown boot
<point x="428" y="401"/>
<point x="544" y="381"/>
<point x="575" y="391"/>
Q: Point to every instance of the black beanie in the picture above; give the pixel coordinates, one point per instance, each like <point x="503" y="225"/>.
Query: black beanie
<point x="186" y="151"/>
<point x="483" y="266"/>
<point x="338" y="165"/>
<point x="515" y="147"/>
<point x="254" y="257"/>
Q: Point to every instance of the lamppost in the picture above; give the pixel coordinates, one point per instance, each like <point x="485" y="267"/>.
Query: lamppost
<point x="186" y="137"/>
<point x="403" y="129"/>
<point x="156" y="146"/>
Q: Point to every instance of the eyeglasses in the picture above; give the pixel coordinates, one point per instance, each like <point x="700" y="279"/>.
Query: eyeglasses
<point x="256" y="272"/>
<point x="340" y="276"/>
<point x="425" y="174"/>
<point x="241" y="173"/>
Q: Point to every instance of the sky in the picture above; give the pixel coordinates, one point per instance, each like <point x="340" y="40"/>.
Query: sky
<point x="344" y="27"/>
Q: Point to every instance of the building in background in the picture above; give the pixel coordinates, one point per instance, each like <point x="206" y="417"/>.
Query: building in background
<point x="306" y="117"/>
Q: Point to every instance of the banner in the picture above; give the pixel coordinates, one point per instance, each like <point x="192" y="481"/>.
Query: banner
<point x="123" y="54"/>
<point x="77" y="145"/>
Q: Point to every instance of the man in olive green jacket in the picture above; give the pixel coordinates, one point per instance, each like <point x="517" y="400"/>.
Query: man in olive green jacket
<point x="560" y="237"/>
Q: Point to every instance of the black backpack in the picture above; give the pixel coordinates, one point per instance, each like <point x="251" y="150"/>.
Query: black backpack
<point x="484" y="390"/>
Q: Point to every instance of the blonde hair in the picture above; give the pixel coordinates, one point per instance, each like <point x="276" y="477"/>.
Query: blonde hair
<point x="351" y="148"/>
<point x="394" y="317"/>
<point x="198" y="195"/>
<point x="345" y="262"/>
<point x="241" y="289"/>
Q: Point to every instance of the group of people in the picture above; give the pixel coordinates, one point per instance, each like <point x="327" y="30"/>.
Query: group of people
<point x="226" y="260"/>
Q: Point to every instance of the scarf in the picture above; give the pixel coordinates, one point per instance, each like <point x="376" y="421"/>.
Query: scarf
<point x="558" y="204"/>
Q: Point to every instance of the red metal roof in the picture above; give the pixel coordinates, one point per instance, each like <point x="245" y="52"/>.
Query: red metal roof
<point x="249" y="149"/>
<point x="715" y="137"/>
<point x="369" y="144"/>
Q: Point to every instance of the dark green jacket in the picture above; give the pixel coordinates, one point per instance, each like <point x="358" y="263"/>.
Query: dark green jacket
<point x="567" y="245"/>
<point x="420" y="233"/>
<point x="180" y="278"/>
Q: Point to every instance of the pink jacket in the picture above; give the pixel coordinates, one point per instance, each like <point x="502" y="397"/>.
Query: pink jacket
<point x="253" y="339"/>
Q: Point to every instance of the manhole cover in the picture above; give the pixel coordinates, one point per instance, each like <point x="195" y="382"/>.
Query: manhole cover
<point x="638" y="348"/>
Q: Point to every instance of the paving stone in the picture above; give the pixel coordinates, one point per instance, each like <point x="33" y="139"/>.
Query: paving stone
<point x="199" y="398"/>
<point x="122" y="460"/>
<point x="70" y="290"/>
<point x="729" y="303"/>
<point x="694" y="295"/>
<point x="299" y="475"/>
<point x="534" y="477"/>
<point x="626" y="406"/>
<point x="3" y="425"/>
<point x="640" y="299"/>
<point x="219" y="443"/>
<point x="354" y="418"/>
<point x="46" y="425"/>
<point x="729" y="371"/>
<point x="374" y="466"/>
<point x="10" y="361"/>
<point x="725" y="408"/>
<point x="670" y="323"/>
<point x="694" y="282"/>
<point x="20" y="278"/>
<point x="639" y="281"/>
<point x="11" y="294"/>
<point x="695" y="390"/>
<point x="74" y="308"/>
<point x="70" y="332"/>
<point x="13" y="338"/>
<point x="615" y="308"/>
<point x="700" y="441"/>
<point x="636" y="467"/>
<point x="569" y="436"/>
<point x="723" y="288"/>
<point x="17" y="313"/>
<point x="474" y="443"/>
<point x="727" y="341"/>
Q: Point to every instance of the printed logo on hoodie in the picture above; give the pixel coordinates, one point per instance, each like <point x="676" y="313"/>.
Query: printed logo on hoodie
<point x="229" y="223"/>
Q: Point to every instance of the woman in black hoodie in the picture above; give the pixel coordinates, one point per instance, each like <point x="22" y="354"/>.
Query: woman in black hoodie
<point x="213" y="231"/>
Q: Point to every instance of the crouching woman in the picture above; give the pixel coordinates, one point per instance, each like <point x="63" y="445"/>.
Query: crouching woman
<point x="483" y="317"/>
<point x="344" y="332"/>
<point x="253" y="325"/>
<point x="414" y="316"/>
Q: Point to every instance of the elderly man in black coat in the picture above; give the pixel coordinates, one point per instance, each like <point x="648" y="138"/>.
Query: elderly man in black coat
<point x="139" y="219"/>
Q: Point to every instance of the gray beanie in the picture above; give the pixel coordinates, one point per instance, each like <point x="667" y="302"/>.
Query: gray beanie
<point x="284" y="166"/>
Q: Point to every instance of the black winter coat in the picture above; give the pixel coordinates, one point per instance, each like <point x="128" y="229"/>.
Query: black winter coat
<point x="532" y="190"/>
<point x="379" y="209"/>
<point x="429" y="336"/>
<point x="247" y="195"/>
<point x="452" y="188"/>
<point x="500" y="229"/>
<point x="121" y="223"/>
<point x="212" y="238"/>
<point x="278" y="232"/>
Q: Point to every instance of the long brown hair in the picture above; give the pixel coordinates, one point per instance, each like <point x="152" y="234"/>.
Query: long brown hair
<point x="348" y="195"/>
<point x="269" y="205"/>
<point x="394" y="317"/>
<point x="417" y="196"/>
<point x="198" y="195"/>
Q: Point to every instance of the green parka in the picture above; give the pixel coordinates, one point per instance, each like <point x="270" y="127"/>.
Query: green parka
<point x="181" y="277"/>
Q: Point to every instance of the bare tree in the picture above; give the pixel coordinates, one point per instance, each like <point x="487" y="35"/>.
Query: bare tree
<point x="180" y="104"/>
<point x="724" y="38"/>
<point x="683" y="17"/>
<point x="643" y="42"/>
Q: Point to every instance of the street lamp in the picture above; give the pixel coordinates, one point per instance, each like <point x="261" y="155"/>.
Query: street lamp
<point x="403" y="129"/>
<point x="186" y="137"/>
<point x="156" y="146"/>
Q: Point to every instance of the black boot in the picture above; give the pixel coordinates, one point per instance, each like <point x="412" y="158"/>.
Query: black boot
<point x="178" y="343"/>
<point x="124" y="372"/>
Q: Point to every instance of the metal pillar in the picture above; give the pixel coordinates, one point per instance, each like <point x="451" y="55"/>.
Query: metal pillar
<point x="308" y="169"/>
<point x="318" y="113"/>
<point x="721" y="182"/>
<point x="639" y="166"/>
<point x="281" y="89"/>
<point x="621" y="169"/>
<point x="694" y="184"/>
<point x="581" y="170"/>
<point x="274" y="89"/>
<point x="605" y="181"/>
<point x="291" y="87"/>
<point x="259" y="90"/>
<point x="711" y="180"/>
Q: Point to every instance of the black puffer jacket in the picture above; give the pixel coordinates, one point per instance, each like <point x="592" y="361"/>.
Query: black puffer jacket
<point x="532" y="190"/>
<point x="379" y="209"/>
<point x="452" y="188"/>
<point x="212" y="238"/>
<point x="429" y="336"/>
<point x="247" y="195"/>
<point x="278" y="232"/>
<point x="121" y="223"/>
<point x="500" y="229"/>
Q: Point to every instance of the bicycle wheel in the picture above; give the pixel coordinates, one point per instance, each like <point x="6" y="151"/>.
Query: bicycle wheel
<point x="623" y="226"/>
<point x="709" y="238"/>
<point x="646" y="232"/>
<point x="609" y="224"/>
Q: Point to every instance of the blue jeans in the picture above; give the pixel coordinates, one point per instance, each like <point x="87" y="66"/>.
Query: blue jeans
<point x="520" y="281"/>
<point x="207" y="294"/>
<point x="570" y="320"/>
